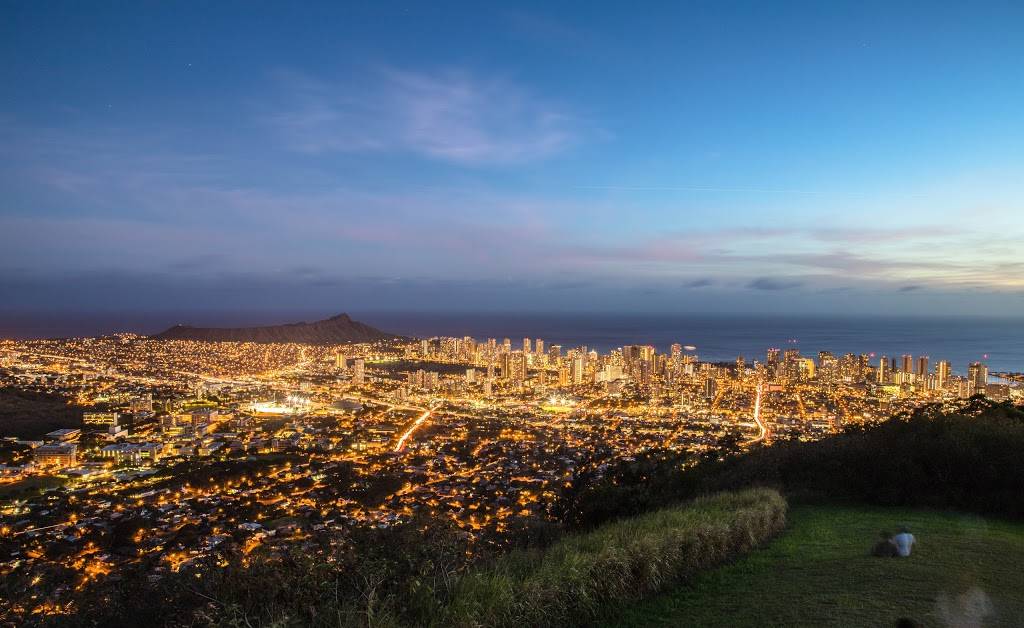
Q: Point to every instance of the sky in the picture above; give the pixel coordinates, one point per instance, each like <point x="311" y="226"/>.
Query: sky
<point x="790" y="157"/>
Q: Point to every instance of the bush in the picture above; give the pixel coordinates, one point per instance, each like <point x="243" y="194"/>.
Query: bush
<point x="581" y="576"/>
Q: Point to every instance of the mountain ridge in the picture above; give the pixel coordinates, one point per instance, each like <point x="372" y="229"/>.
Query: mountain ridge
<point x="334" y="330"/>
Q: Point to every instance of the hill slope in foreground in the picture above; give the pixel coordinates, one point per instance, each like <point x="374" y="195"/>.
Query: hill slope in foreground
<point x="335" y="330"/>
<point x="964" y="571"/>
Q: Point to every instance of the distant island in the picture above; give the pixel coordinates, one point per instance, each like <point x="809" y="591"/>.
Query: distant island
<point x="334" y="330"/>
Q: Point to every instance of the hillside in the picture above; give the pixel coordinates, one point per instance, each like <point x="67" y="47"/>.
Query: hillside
<point x="964" y="571"/>
<point x="335" y="330"/>
<point x="663" y="525"/>
<point x="966" y="458"/>
<point x="583" y="575"/>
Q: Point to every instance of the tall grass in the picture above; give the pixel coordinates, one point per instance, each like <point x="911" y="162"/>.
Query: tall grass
<point x="581" y="576"/>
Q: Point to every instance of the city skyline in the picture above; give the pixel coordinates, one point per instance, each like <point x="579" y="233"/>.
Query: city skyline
<point x="785" y="159"/>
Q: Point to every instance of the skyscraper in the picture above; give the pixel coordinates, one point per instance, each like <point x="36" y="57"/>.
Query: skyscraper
<point x="710" y="388"/>
<point x="977" y="374"/>
<point x="506" y="366"/>
<point x="942" y="370"/>
<point x="908" y="363"/>
<point x="922" y="366"/>
<point x="576" y="370"/>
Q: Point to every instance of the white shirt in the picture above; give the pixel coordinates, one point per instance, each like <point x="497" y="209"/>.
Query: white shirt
<point x="904" y="542"/>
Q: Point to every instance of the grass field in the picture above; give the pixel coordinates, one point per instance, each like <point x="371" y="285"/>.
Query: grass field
<point x="582" y="575"/>
<point x="29" y="485"/>
<point x="964" y="571"/>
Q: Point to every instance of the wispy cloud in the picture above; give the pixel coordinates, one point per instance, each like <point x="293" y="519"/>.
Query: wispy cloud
<point x="452" y="116"/>
<point x="769" y="283"/>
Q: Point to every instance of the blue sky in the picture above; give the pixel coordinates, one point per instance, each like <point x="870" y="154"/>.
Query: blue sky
<point x="798" y="157"/>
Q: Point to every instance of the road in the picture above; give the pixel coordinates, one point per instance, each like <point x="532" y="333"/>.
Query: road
<point x="762" y="428"/>
<point x="412" y="428"/>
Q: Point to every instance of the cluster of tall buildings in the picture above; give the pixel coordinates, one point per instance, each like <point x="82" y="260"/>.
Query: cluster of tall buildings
<point x="358" y="368"/>
<point x="512" y="364"/>
<point x="550" y="364"/>
<point x="907" y="370"/>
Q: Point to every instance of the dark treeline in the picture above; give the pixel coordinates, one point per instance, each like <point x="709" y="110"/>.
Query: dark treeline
<point x="966" y="459"/>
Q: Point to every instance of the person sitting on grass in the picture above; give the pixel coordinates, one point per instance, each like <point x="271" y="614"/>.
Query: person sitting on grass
<point x="885" y="548"/>
<point x="904" y="542"/>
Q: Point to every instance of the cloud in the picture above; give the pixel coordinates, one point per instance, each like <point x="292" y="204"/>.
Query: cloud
<point x="197" y="262"/>
<point x="910" y="288"/>
<point x="450" y="116"/>
<point x="139" y="204"/>
<point x="768" y="283"/>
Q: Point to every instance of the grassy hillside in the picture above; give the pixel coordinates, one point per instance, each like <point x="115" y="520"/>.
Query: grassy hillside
<point x="28" y="414"/>
<point x="582" y="575"/>
<point x="819" y="573"/>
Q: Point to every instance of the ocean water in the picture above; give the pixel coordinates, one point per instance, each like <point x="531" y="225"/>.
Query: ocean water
<point x="961" y="340"/>
<point x="997" y="341"/>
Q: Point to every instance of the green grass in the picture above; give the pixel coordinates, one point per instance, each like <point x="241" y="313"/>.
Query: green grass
<point x="583" y="575"/>
<point x="819" y="573"/>
<point x="30" y="486"/>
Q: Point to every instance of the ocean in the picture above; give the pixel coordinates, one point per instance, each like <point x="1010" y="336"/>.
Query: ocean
<point x="997" y="341"/>
<point x="719" y="338"/>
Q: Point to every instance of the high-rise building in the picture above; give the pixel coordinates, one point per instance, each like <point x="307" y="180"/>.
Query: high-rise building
<point x="710" y="388"/>
<point x="526" y="346"/>
<point x="505" y="363"/>
<point x="977" y="374"/>
<point x="883" y="370"/>
<point x="358" y="372"/>
<point x="340" y="362"/>
<point x="519" y="366"/>
<point x="576" y="370"/>
<point x="942" y="371"/>
<point x="922" y="366"/>
<point x="908" y="363"/>
<point x="538" y="346"/>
